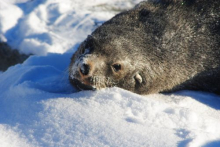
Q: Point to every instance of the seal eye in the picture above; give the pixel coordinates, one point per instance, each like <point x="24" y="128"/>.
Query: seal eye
<point x="116" y="67"/>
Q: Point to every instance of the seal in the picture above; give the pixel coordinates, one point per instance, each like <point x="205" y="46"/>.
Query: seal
<point x="158" y="46"/>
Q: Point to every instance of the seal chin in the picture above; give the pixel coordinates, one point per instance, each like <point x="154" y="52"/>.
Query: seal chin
<point x="80" y="86"/>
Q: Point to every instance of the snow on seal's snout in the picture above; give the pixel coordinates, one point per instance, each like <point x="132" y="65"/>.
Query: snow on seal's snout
<point x="84" y="59"/>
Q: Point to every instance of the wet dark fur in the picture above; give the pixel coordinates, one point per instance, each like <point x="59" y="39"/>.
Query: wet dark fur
<point x="172" y="45"/>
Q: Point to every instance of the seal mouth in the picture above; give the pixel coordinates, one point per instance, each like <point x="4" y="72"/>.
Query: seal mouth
<point x="80" y="86"/>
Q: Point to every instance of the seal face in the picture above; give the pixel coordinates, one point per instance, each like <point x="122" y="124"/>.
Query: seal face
<point x="155" y="47"/>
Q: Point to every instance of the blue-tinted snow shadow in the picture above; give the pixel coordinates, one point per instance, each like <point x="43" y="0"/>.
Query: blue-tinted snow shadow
<point x="183" y="133"/>
<point x="212" y="144"/>
<point x="30" y="5"/>
<point x="184" y="143"/>
<point x="209" y="99"/>
<point x="14" y="35"/>
<point x="49" y="73"/>
<point x="38" y="79"/>
<point x="58" y="61"/>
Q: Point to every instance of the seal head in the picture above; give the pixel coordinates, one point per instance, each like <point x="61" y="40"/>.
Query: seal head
<point x="97" y="65"/>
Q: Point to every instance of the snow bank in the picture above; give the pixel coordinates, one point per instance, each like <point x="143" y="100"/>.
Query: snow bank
<point x="38" y="106"/>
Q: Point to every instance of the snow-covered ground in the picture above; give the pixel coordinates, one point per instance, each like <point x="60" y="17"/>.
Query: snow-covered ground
<point x="38" y="107"/>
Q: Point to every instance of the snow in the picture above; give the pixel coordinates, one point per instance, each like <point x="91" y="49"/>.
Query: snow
<point x="12" y="12"/>
<point x="39" y="108"/>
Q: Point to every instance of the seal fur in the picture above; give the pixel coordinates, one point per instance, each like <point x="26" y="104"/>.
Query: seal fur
<point x="158" y="46"/>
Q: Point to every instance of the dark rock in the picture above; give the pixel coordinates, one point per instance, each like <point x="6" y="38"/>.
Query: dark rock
<point x="9" y="56"/>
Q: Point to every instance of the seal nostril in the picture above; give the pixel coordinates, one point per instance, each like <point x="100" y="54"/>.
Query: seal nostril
<point x="85" y="69"/>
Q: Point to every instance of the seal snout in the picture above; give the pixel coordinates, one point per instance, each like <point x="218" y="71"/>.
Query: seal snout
<point x="85" y="75"/>
<point x="82" y="77"/>
<point x="84" y="69"/>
